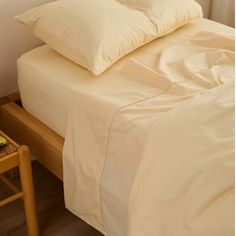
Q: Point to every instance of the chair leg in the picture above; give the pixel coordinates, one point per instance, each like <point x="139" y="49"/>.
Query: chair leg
<point x="28" y="189"/>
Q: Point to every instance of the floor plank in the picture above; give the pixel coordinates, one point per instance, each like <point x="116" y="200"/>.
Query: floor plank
<point x="54" y="218"/>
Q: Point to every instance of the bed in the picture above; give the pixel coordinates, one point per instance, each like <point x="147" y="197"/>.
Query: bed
<point x="47" y="83"/>
<point x="50" y="78"/>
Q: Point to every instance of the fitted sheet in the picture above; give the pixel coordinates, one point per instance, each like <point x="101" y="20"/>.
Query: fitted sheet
<point x="46" y="79"/>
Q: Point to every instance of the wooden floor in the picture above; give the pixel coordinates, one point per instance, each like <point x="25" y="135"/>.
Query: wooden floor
<point x="54" y="219"/>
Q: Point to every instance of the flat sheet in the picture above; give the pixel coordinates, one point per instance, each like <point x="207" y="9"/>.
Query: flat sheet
<point x="108" y="142"/>
<point x="184" y="184"/>
<point x="46" y="79"/>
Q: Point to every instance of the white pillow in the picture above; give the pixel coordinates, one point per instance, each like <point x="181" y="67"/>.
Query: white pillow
<point x="167" y="15"/>
<point x="92" y="33"/>
<point x="96" y="33"/>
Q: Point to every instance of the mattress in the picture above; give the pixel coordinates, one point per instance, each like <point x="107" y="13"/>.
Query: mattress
<point x="47" y="80"/>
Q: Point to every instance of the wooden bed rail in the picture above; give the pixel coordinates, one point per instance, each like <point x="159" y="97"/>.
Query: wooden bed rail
<point x="44" y="143"/>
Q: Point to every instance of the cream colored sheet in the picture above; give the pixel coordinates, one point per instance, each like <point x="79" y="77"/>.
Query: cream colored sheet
<point x="110" y="116"/>
<point x="184" y="184"/>
<point x="110" y="130"/>
<point x="46" y="79"/>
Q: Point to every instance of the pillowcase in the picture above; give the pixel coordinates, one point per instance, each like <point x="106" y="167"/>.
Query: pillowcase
<point x="167" y="15"/>
<point x="91" y="33"/>
<point x="95" y="34"/>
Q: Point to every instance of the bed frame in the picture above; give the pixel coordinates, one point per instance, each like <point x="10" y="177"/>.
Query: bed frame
<point x="45" y="144"/>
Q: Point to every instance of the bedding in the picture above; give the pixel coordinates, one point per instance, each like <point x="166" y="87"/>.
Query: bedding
<point x="95" y="34"/>
<point x="189" y="158"/>
<point x="46" y="79"/>
<point x="112" y="122"/>
<point x="167" y="15"/>
<point x="108" y="132"/>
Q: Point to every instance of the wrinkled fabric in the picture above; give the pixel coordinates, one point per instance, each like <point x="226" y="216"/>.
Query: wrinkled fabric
<point x="184" y="184"/>
<point x="113" y="136"/>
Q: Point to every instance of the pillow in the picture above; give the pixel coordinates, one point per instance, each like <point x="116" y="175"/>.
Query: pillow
<point x="91" y="33"/>
<point x="167" y="15"/>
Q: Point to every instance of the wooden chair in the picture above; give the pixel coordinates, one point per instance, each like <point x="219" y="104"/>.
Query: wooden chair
<point x="11" y="156"/>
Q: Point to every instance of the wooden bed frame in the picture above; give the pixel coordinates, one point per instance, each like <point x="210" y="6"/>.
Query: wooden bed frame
<point x="45" y="144"/>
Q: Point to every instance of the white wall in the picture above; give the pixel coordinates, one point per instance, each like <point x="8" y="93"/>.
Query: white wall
<point x="14" y="41"/>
